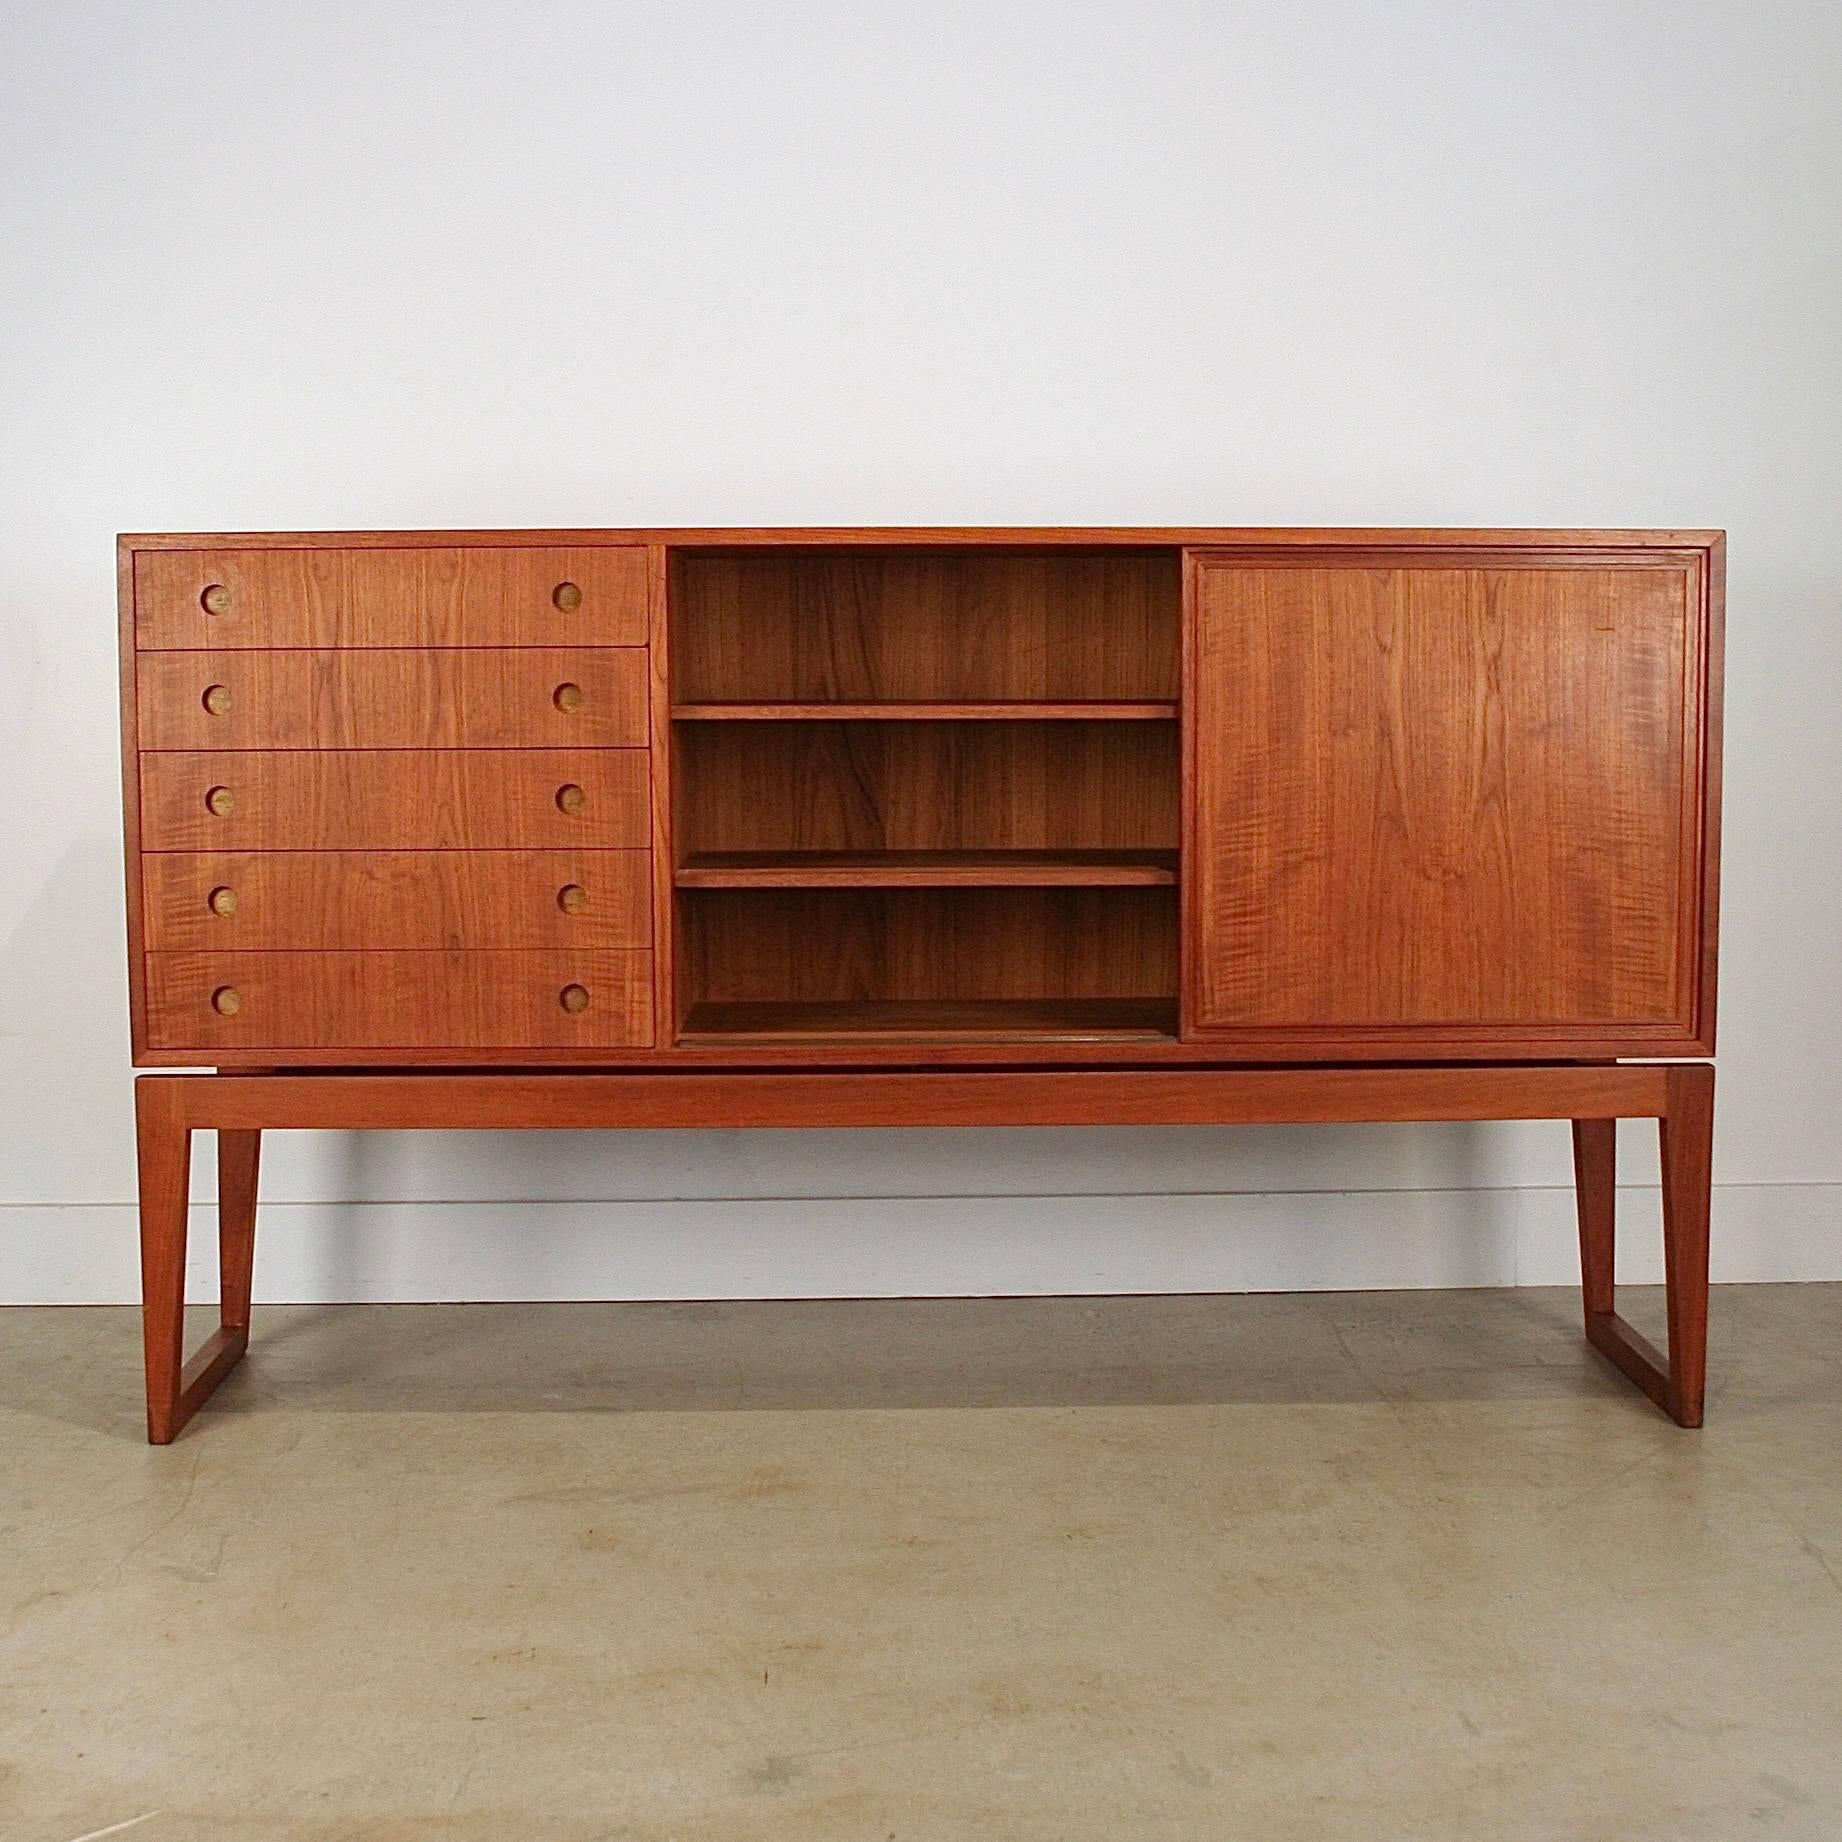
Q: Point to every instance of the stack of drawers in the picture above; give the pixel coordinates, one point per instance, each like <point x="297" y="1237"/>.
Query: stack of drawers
<point x="394" y="799"/>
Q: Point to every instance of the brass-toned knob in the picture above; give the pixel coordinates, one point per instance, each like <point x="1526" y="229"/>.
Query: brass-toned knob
<point x="223" y="901"/>
<point x="570" y="797"/>
<point x="221" y="801"/>
<point x="227" y="1000"/>
<point x="567" y="697"/>
<point x="215" y="599"/>
<point x="572" y="898"/>
<point x="217" y="698"/>
<point x="574" y="998"/>
<point x="567" y="597"/>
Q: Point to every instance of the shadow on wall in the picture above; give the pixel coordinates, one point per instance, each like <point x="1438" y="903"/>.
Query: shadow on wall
<point x="64" y="1049"/>
<point x="849" y="1213"/>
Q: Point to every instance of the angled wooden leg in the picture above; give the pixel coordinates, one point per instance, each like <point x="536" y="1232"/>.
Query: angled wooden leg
<point x="175" y="1388"/>
<point x="238" y="1154"/>
<point x="1688" y="1183"/>
<point x="1676" y="1382"/>
<point x="163" y="1145"/>
<point x="1595" y="1189"/>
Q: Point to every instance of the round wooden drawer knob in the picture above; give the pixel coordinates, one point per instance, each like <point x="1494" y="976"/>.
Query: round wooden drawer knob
<point x="221" y="801"/>
<point x="223" y="901"/>
<point x="227" y="1000"/>
<point x="217" y="698"/>
<point x="567" y="697"/>
<point x="570" y="797"/>
<point x="567" y="597"/>
<point x="215" y="599"/>
<point x="575" y="998"/>
<point x="572" y="898"/>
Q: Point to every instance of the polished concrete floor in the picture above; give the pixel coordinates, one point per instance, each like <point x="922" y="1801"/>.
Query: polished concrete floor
<point x="1402" y="1567"/>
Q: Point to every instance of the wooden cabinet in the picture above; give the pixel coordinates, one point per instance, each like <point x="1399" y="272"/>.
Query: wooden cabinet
<point x="797" y="802"/>
<point x="1187" y="796"/>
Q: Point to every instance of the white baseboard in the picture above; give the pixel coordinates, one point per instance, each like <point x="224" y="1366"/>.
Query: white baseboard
<point x="918" y="1246"/>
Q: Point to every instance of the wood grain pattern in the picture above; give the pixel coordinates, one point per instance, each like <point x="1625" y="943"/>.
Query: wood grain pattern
<point x="395" y="799"/>
<point x="832" y="785"/>
<point x="882" y="625"/>
<point x="1481" y="823"/>
<point x="1595" y="1190"/>
<point x="419" y="1000"/>
<point x="927" y="787"/>
<point x="1094" y="710"/>
<point x="1675" y="1379"/>
<point x="452" y="595"/>
<point x="925" y="869"/>
<point x="927" y="1020"/>
<point x="1437" y="794"/>
<point x="1687" y="1152"/>
<point x="998" y="537"/>
<point x="656" y="1099"/>
<point x="436" y="698"/>
<point x="934" y="944"/>
<point x="1491" y="1049"/>
<point x="239" y="1159"/>
<point x="131" y="795"/>
<point x="666" y="928"/>
<point x="327" y="901"/>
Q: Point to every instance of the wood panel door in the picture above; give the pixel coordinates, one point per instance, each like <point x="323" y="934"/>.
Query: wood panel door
<point x="1450" y="802"/>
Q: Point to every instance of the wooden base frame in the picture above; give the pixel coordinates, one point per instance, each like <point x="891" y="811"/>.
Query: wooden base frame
<point x="240" y="1107"/>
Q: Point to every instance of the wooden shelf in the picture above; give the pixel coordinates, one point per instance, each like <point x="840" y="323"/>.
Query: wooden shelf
<point x="935" y="1020"/>
<point x="925" y="869"/>
<point x="925" y="712"/>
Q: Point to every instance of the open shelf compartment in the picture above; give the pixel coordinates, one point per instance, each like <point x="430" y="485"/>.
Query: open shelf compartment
<point x="940" y="869"/>
<point x="928" y="963"/>
<point x="778" y="631"/>
<point x="925" y="795"/>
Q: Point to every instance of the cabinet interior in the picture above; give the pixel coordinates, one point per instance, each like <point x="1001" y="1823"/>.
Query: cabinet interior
<point x="957" y="769"/>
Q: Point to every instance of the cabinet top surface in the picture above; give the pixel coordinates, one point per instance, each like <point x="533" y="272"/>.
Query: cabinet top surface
<point x="720" y="535"/>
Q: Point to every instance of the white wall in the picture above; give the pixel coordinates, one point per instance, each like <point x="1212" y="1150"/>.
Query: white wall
<point x="273" y="265"/>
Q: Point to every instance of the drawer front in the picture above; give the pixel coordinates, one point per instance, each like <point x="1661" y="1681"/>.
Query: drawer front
<point x="326" y="901"/>
<point x="432" y="1000"/>
<point x="395" y="800"/>
<point x="408" y="597"/>
<point x="589" y="697"/>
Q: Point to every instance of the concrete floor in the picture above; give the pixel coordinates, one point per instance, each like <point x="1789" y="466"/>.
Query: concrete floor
<point x="1403" y="1567"/>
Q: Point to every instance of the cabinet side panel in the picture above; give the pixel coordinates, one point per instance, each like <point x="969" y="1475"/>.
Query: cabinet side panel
<point x="1713" y="675"/>
<point x="666" y="1012"/>
<point x="131" y="800"/>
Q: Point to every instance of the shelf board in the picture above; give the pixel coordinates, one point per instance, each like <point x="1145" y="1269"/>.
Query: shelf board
<point x="925" y="869"/>
<point x="924" y="712"/>
<point x="935" y="1020"/>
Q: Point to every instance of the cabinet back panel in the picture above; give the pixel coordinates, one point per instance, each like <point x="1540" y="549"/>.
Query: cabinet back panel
<point x="804" y="945"/>
<point x="867" y="625"/>
<point x="926" y="786"/>
<point x="1445" y="794"/>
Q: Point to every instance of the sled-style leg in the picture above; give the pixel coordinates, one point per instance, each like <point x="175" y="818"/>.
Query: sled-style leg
<point x="238" y="1154"/>
<point x="175" y="1387"/>
<point x="1676" y="1382"/>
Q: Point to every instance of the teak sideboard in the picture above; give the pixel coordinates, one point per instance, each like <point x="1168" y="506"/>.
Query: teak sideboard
<point x="921" y="827"/>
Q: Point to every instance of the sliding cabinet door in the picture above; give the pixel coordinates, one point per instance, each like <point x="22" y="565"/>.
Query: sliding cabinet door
<point x="1448" y="802"/>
